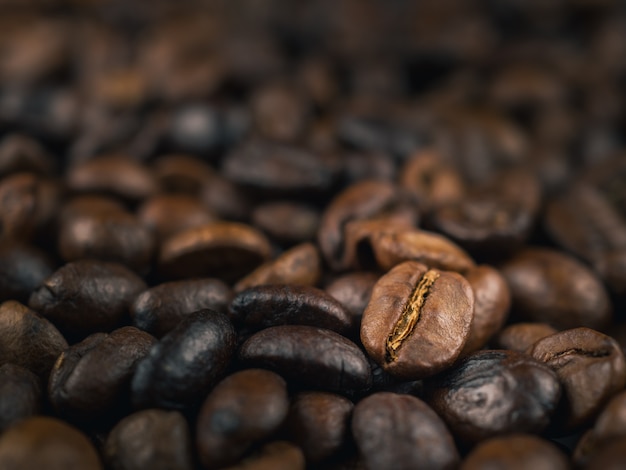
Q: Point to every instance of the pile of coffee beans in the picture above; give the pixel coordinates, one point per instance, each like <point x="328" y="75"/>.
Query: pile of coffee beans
<point x="332" y="234"/>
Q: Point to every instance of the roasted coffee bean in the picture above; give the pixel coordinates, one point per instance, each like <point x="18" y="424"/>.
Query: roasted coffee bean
<point x="286" y="222"/>
<point x="279" y="170"/>
<point x="552" y="287"/>
<point x="316" y="357"/>
<point x="226" y="250"/>
<point x="89" y="204"/>
<point x="521" y="336"/>
<point x="112" y="174"/>
<point x="590" y="366"/>
<point x="612" y="420"/>
<point x="22" y="269"/>
<point x="495" y="392"/>
<point x="280" y="112"/>
<point x="155" y="439"/>
<point x="399" y="431"/>
<point x="20" y="153"/>
<point x="28" y="340"/>
<point x="319" y="423"/>
<point x="108" y="236"/>
<point x="516" y="452"/>
<point x="278" y="455"/>
<point x="611" y="266"/>
<point x="180" y="369"/>
<point x="226" y="199"/>
<point x="182" y="174"/>
<point x="362" y="200"/>
<point x="196" y="128"/>
<point x="418" y="320"/>
<point x="167" y="214"/>
<point x="20" y="395"/>
<point x="353" y="291"/>
<point x="300" y="265"/>
<point x="161" y="308"/>
<point x="243" y="409"/>
<point x="610" y="457"/>
<point x="431" y="180"/>
<point x="28" y="204"/>
<point x="273" y="305"/>
<point x="91" y="379"/>
<point x="390" y="244"/>
<point x="87" y="296"/>
<point x="495" y="219"/>
<point x="492" y="300"/>
<point x="42" y="442"/>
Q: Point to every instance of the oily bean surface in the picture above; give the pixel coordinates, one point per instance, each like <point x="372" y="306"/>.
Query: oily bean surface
<point x="417" y="321"/>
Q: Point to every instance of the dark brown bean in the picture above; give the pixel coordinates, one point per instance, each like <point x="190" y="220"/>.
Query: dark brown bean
<point x="91" y="379"/>
<point x="20" y="153"/>
<point x="20" y="395"/>
<point x="22" y="269"/>
<point x="182" y="174"/>
<point x="591" y="368"/>
<point x="87" y="296"/>
<point x="278" y="455"/>
<point x="243" y="409"/>
<point x="225" y="250"/>
<point x="552" y="287"/>
<point x="516" y="452"/>
<point x="521" y="336"/>
<point x="492" y="300"/>
<point x="319" y="423"/>
<point x="286" y="222"/>
<point x="495" y="392"/>
<point x="155" y="439"/>
<point x="314" y="356"/>
<point x="300" y="265"/>
<point x="273" y="305"/>
<point x="400" y="431"/>
<point x="28" y="340"/>
<point x="417" y="321"/>
<point x="610" y="457"/>
<point x="160" y="309"/>
<point x="353" y="291"/>
<point x="180" y="369"/>
<point x="42" y="442"/>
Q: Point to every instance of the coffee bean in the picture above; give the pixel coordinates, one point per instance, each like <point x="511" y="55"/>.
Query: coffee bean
<point x="360" y="201"/>
<point x="160" y="309"/>
<point x="319" y="423"/>
<point x="611" y="421"/>
<point x="226" y="250"/>
<point x="516" y="452"/>
<point x="495" y="392"/>
<point x="610" y="457"/>
<point x="286" y="222"/>
<point x="243" y="409"/>
<point x="167" y="214"/>
<point x="590" y="366"/>
<point x="182" y="174"/>
<point x="42" y="442"/>
<point x="280" y="112"/>
<point x="108" y="236"/>
<point x="273" y="305"/>
<point x="417" y="321"/>
<point x="155" y="439"/>
<point x="552" y="287"/>
<point x="316" y="357"/>
<point x="492" y="300"/>
<point x="91" y="379"/>
<point x="112" y="174"/>
<point x="88" y="204"/>
<point x="23" y="268"/>
<point x="21" y="153"/>
<point x="399" y="431"/>
<point x="87" y="296"/>
<point x="521" y="336"/>
<point x="300" y="265"/>
<point x="20" y="395"/>
<point x="226" y="199"/>
<point x="28" y="339"/>
<point x="278" y="455"/>
<point x="180" y="369"/>
<point x="353" y="291"/>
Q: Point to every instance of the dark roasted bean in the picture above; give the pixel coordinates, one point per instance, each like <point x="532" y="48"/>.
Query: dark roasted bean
<point x="399" y="431"/>
<point x="87" y="296"/>
<point x="161" y="308"/>
<point x="286" y="222"/>
<point x="22" y="269"/>
<point x="243" y="409"/>
<point x="521" y="336"/>
<point x="495" y="392"/>
<point x="155" y="439"/>
<point x="317" y="357"/>
<point x="180" y="369"/>
<point x="20" y="395"/>
<point x="418" y="320"/>
<point x="278" y="455"/>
